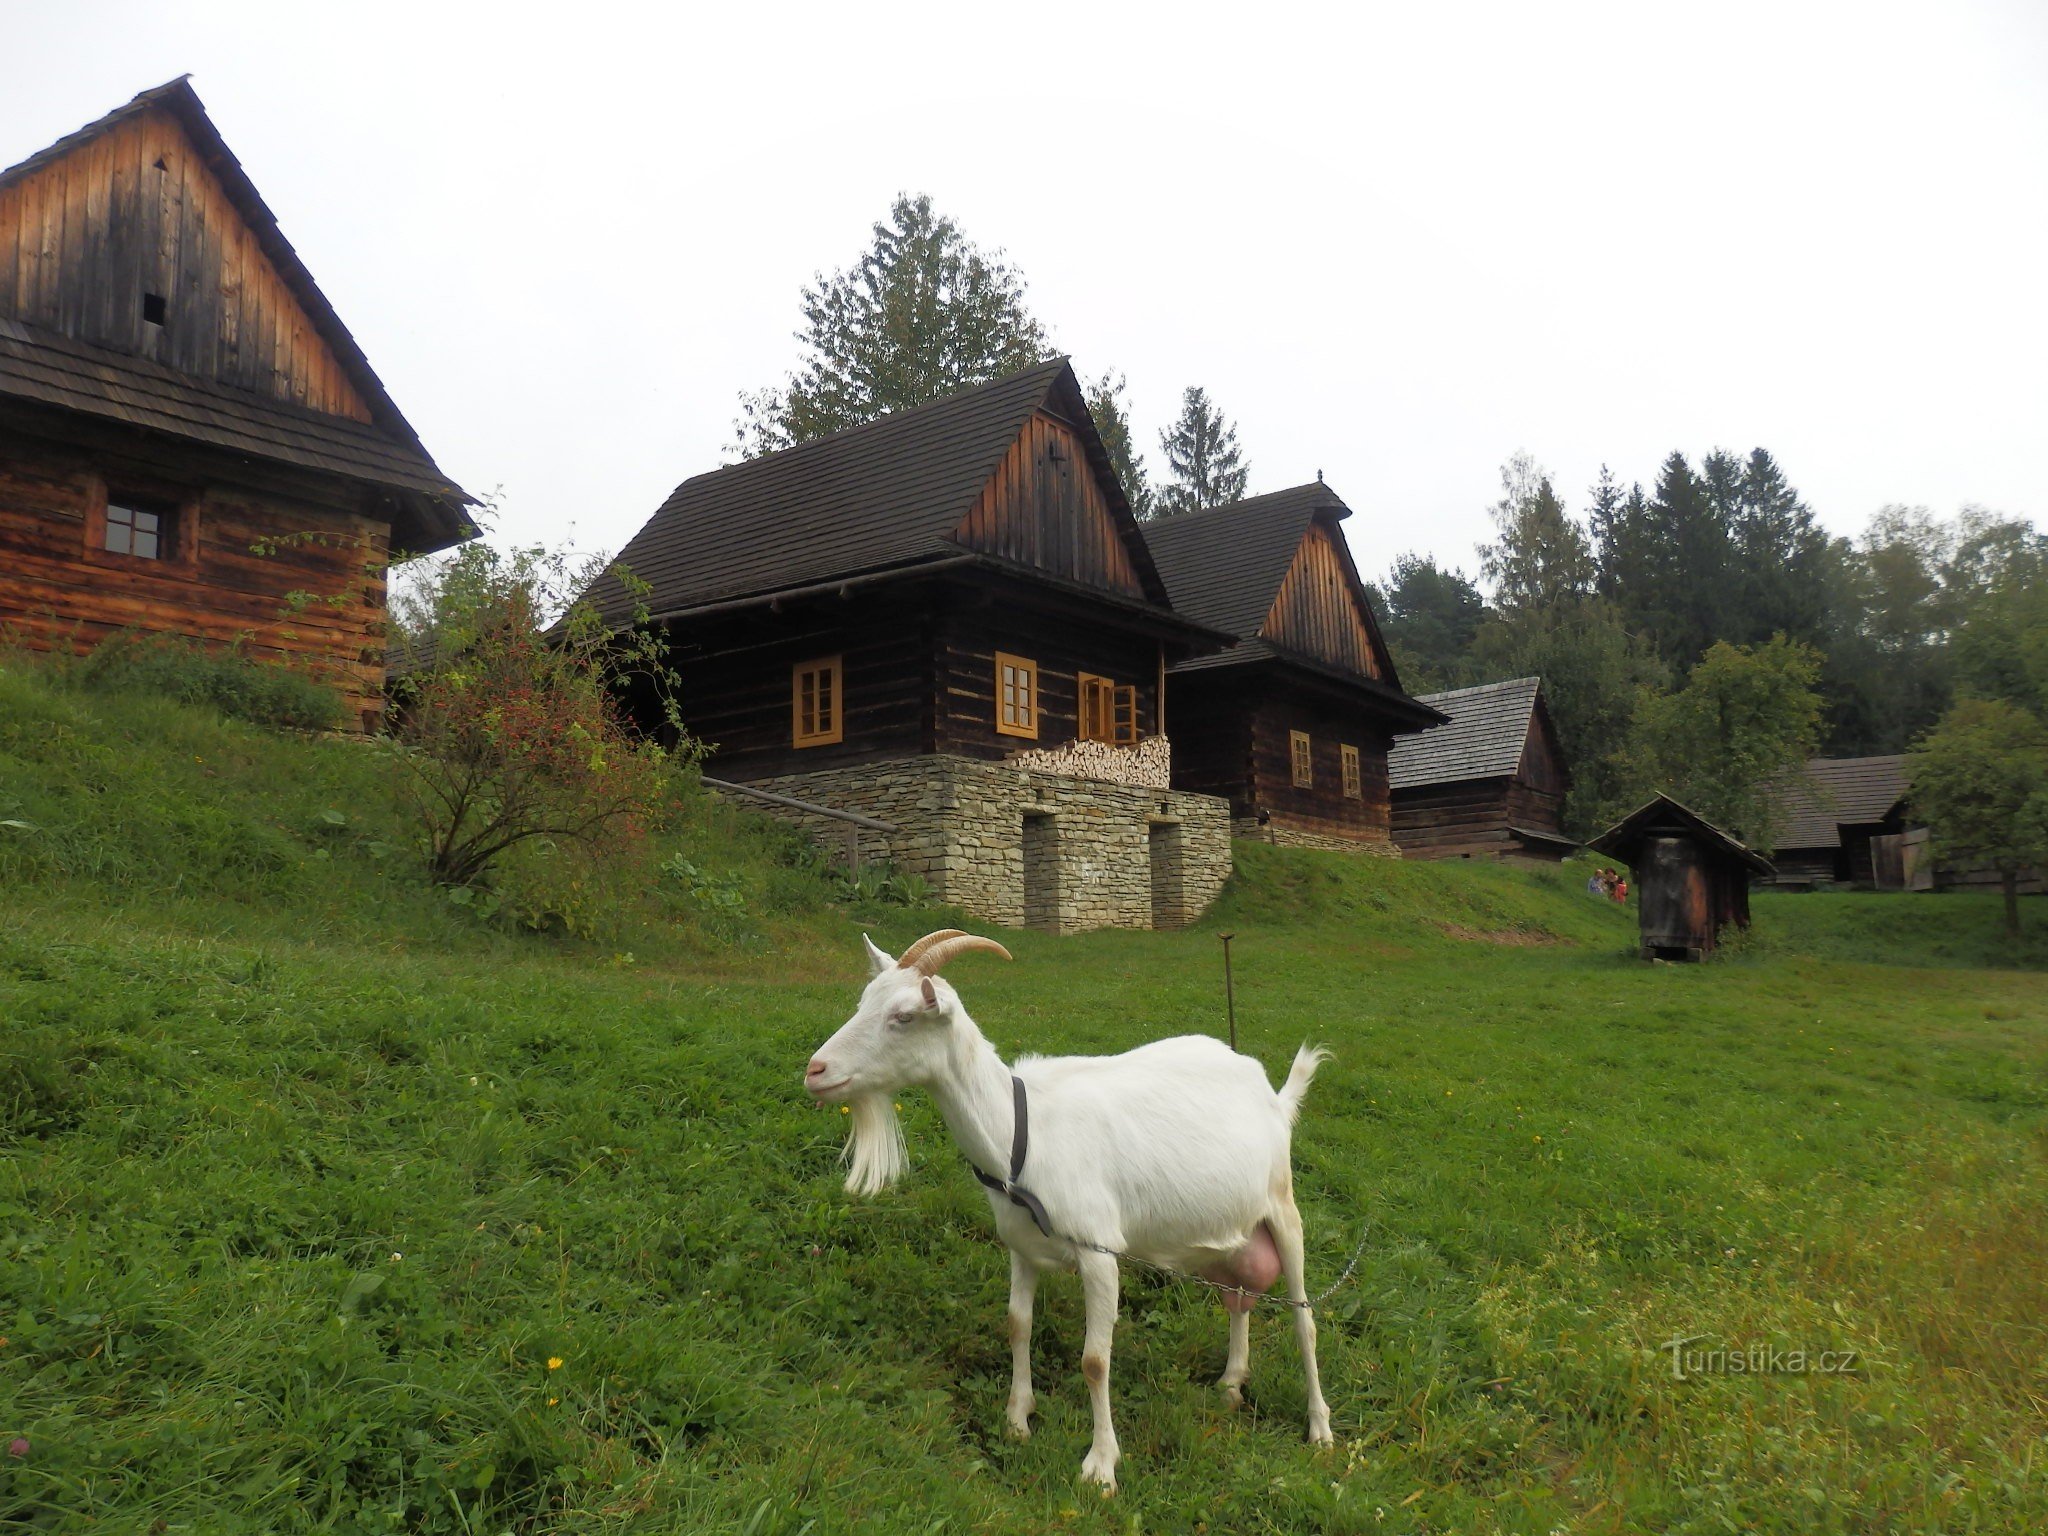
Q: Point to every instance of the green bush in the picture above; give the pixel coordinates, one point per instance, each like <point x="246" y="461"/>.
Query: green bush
<point x="188" y="672"/>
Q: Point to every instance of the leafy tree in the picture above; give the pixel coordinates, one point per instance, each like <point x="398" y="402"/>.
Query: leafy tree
<point x="1430" y="616"/>
<point x="509" y="733"/>
<point x="1747" y="717"/>
<point x="1980" y="779"/>
<point x="1996" y="584"/>
<point x="922" y="314"/>
<point x="1593" y="672"/>
<point x="1203" y="463"/>
<point x="1889" y="671"/>
<point x="1540" y="557"/>
<point x="1113" y="422"/>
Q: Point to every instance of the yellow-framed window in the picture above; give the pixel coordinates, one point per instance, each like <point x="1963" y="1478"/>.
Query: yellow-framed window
<point x="1016" y="695"/>
<point x="1299" y="753"/>
<point x="817" y="717"/>
<point x="1354" y="780"/>
<point x="1097" y="708"/>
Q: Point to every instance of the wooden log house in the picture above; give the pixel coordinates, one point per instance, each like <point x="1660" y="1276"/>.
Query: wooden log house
<point x="1293" y="724"/>
<point x="1829" y="815"/>
<point x="190" y="440"/>
<point x="1691" y="878"/>
<point x="949" y="620"/>
<point x="1490" y="784"/>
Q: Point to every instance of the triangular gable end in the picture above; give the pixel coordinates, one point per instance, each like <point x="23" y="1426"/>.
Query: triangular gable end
<point x="1540" y="747"/>
<point x="141" y="233"/>
<point x="1054" y="504"/>
<point x="1321" y="609"/>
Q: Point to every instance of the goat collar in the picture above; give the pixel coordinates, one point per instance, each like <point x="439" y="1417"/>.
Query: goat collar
<point x="1019" y="1145"/>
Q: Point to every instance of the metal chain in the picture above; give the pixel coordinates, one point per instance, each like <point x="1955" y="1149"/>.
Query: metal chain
<point x="1171" y="1273"/>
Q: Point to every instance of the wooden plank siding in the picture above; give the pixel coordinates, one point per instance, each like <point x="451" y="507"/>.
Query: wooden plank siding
<point x="136" y="211"/>
<point x="1043" y="508"/>
<point x="1063" y="640"/>
<point x="1465" y="818"/>
<point x="60" y="589"/>
<point x="1315" y="614"/>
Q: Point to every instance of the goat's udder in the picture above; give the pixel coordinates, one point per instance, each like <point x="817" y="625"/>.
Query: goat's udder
<point x="1252" y="1269"/>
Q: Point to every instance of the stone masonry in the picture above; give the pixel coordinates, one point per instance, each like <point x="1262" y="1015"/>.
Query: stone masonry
<point x="1025" y="848"/>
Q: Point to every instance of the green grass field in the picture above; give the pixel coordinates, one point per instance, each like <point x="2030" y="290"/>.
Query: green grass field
<point x="325" y="1205"/>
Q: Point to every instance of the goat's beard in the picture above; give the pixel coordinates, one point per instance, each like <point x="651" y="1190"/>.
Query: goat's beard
<point x="875" y="1155"/>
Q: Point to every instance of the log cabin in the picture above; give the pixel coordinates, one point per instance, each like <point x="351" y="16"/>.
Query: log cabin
<point x="1491" y="784"/>
<point x="1829" y="814"/>
<point x="1691" y="878"/>
<point x="946" y="620"/>
<point x="1293" y="724"/>
<point x="191" y="442"/>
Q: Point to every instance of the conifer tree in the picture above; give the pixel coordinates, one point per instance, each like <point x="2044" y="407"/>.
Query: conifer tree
<point x="1113" y="423"/>
<point x="1203" y="463"/>
<point x="923" y="313"/>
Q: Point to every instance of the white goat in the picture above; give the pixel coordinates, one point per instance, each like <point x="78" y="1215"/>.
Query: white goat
<point x="1175" y="1153"/>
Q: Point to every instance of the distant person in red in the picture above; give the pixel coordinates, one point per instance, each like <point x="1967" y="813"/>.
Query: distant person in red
<point x="1621" y="889"/>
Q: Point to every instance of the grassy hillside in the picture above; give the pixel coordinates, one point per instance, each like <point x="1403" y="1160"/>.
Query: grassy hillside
<point x="309" y="1178"/>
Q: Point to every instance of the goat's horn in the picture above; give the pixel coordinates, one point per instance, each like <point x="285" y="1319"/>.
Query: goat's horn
<point x="908" y="959"/>
<point x="929" y="962"/>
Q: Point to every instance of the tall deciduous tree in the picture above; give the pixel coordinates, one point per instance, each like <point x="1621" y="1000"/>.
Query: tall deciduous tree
<point x="1980" y="778"/>
<point x="1540" y="557"/>
<point x="1204" y="465"/>
<point x="1113" y="423"/>
<point x="922" y="313"/>
<point x="1746" y="718"/>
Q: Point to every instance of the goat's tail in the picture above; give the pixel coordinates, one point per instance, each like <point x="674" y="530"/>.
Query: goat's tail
<point x="1295" y="1089"/>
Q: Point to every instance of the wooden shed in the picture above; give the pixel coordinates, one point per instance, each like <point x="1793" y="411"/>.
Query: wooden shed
<point x="1830" y="814"/>
<point x="1292" y="724"/>
<point x="1691" y="878"/>
<point x="1490" y="784"/>
<point x="946" y="620"/>
<point x="191" y="442"/>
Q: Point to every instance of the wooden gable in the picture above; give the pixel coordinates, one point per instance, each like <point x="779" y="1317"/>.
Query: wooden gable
<point x="129" y="240"/>
<point x="1542" y="764"/>
<point x="1321" y="610"/>
<point x="1045" y="507"/>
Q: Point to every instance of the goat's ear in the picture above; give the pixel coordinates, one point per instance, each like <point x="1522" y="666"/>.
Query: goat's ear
<point x="931" y="993"/>
<point x="878" y="960"/>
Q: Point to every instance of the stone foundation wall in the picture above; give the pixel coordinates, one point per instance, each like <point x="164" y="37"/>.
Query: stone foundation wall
<point x="1024" y="848"/>
<point x="1381" y="847"/>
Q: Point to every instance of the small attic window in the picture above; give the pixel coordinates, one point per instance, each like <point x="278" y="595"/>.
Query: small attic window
<point x="153" y="308"/>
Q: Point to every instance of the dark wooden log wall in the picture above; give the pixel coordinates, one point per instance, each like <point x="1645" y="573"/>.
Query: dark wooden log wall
<point x="1230" y="738"/>
<point x="735" y="673"/>
<point x="1043" y="508"/>
<point x="1065" y="641"/>
<point x="60" y="589"/>
<point x="136" y="212"/>
<point x="1314" y="612"/>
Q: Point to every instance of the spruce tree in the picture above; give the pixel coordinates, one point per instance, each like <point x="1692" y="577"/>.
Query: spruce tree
<point x="1113" y="424"/>
<point x="1541" y="557"/>
<point x="1203" y="463"/>
<point x="923" y="313"/>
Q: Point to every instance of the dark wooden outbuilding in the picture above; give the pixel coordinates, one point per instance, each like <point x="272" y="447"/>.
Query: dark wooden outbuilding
<point x="1490" y="784"/>
<point x="965" y="577"/>
<point x="1691" y="878"/>
<point x="1830" y="814"/>
<point x="190" y="440"/>
<point x="1293" y="723"/>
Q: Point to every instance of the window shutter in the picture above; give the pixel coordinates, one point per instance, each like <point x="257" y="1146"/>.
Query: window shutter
<point x="1126" y="715"/>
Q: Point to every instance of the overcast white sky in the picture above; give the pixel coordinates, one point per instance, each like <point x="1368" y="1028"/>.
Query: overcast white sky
<point x="1395" y="242"/>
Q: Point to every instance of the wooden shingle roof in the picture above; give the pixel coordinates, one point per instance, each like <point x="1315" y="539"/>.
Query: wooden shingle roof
<point x="1223" y="565"/>
<point x="1489" y="726"/>
<point x="1661" y="816"/>
<point x="881" y="497"/>
<point x="45" y="368"/>
<point x="1836" y="792"/>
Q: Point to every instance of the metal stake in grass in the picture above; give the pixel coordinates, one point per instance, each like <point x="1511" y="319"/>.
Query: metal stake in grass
<point x="1229" y="992"/>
